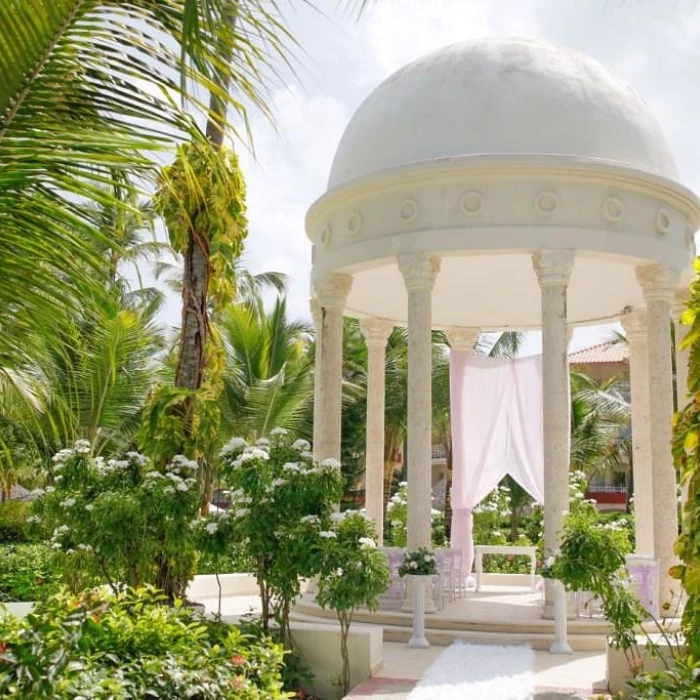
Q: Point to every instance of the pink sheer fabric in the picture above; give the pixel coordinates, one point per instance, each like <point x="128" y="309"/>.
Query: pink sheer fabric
<point x="496" y="408"/>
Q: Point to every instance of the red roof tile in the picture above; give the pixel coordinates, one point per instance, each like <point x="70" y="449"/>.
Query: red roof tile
<point x="604" y="353"/>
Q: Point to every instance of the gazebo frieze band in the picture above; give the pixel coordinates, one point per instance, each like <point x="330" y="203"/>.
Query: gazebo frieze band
<point x="513" y="203"/>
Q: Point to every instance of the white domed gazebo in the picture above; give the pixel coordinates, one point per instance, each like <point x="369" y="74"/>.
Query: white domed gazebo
<point x="504" y="185"/>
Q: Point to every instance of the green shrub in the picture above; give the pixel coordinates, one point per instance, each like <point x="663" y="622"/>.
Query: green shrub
<point x="680" y="682"/>
<point x="120" y="521"/>
<point x="13" y="521"/>
<point x="131" y="647"/>
<point x="27" y="572"/>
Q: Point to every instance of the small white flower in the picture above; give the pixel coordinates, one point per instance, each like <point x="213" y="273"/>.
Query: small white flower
<point x="337" y="517"/>
<point x="50" y="489"/>
<point x="311" y="519"/>
<point x="241" y="512"/>
<point x="38" y="493"/>
<point x="252" y="453"/>
<point x="330" y="463"/>
<point x="549" y="562"/>
<point x="327" y="534"/>
<point x="368" y="542"/>
<point x="278" y="432"/>
<point x="67" y="503"/>
<point x="89" y="507"/>
<point x="169" y="490"/>
<point x="183" y="462"/>
<point x="56" y="545"/>
<point x="82" y="446"/>
<point x="278" y="482"/>
<point x="301" y="445"/>
<point x="290" y="467"/>
<point x="140" y="459"/>
<point x="33" y="519"/>
<point x="264" y="443"/>
<point x="413" y="564"/>
<point x="234" y="445"/>
<point x="182" y="486"/>
<point x="58" y="478"/>
<point x="211" y="528"/>
<point x="85" y="547"/>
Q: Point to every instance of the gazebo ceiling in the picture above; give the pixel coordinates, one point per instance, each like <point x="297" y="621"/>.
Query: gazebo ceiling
<point x="483" y="153"/>
<point x="497" y="292"/>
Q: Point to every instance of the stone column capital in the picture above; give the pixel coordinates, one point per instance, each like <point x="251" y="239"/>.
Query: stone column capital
<point x="462" y="339"/>
<point x="635" y="325"/>
<point x="419" y="270"/>
<point x="553" y="267"/>
<point x="334" y="290"/>
<point x="658" y="282"/>
<point x="376" y="331"/>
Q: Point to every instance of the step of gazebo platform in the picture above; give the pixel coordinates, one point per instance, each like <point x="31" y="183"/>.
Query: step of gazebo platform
<point x="497" y="615"/>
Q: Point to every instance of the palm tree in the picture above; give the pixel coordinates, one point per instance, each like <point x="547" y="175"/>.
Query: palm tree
<point x="268" y="378"/>
<point x="86" y="100"/>
<point x="600" y="424"/>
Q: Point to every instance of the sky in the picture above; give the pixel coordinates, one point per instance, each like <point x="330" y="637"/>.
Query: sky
<point x="653" y="44"/>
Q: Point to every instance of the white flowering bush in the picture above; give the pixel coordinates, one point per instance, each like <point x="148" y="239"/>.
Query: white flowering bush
<point x="353" y="573"/>
<point x="397" y="520"/>
<point x="281" y="509"/>
<point x="118" y="520"/>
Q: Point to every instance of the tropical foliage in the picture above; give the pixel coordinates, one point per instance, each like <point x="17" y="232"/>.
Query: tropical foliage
<point x="90" y="92"/>
<point x="131" y="646"/>
<point x="687" y="456"/>
<point x="353" y="573"/>
<point x="281" y="507"/>
<point x="116" y="520"/>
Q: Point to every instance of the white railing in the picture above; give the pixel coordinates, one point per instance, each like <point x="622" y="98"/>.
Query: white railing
<point x="593" y="488"/>
<point x="439" y="452"/>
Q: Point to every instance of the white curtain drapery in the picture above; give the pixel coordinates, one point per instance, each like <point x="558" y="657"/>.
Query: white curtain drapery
<point x="496" y="416"/>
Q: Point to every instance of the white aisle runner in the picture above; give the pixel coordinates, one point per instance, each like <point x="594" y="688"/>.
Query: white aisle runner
<point x="479" y="672"/>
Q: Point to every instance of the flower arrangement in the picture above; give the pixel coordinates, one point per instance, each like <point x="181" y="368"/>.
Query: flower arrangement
<point x="418" y="562"/>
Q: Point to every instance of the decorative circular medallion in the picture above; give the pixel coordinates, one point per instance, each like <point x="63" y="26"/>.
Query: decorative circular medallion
<point x="471" y="202"/>
<point x="613" y="209"/>
<point x="354" y="223"/>
<point x="663" y="221"/>
<point x="690" y="240"/>
<point x="546" y="203"/>
<point x="408" y="210"/>
<point x="325" y="234"/>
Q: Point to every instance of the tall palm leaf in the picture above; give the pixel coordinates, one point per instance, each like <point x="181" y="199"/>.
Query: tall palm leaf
<point x="90" y="90"/>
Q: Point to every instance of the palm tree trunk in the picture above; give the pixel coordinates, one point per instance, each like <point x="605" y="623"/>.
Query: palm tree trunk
<point x="448" y="487"/>
<point x="195" y="292"/>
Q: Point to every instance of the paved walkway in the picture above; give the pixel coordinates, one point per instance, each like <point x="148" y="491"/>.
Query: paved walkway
<point x="575" y="677"/>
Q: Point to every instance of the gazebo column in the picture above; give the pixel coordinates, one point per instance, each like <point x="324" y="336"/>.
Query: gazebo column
<point x="419" y="272"/>
<point x="553" y="268"/>
<point x="318" y="327"/>
<point x="329" y="371"/>
<point x="658" y="283"/>
<point x="376" y="333"/>
<point x="635" y="325"/>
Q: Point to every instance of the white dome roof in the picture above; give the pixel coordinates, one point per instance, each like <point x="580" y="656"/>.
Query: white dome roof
<point x="505" y="97"/>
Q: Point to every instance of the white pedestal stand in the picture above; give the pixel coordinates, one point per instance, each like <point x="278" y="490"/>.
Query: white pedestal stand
<point x="418" y="584"/>
<point x="560" y="645"/>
